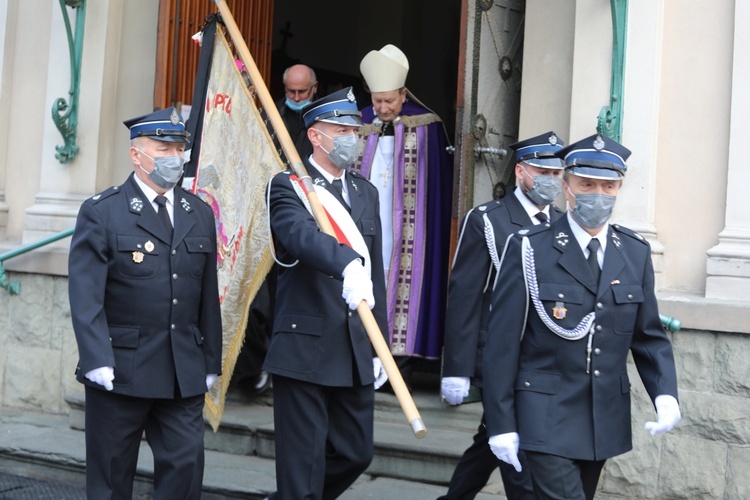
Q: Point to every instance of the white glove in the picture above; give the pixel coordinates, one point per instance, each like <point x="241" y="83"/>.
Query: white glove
<point x="505" y="448"/>
<point x="667" y="413"/>
<point x="210" y="379"/>
<point x="357" y="285"/>
<point x="102" y="376"/>
<point x="454" y="389"/>
<point x="379" y="370"/>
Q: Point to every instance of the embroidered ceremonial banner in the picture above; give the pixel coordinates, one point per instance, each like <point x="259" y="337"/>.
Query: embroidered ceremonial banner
<point x="236" y="160"/>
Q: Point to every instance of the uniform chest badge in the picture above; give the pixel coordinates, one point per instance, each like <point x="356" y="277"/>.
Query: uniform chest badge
<point x="149" y="246"/>
<point x="616" y="240"/>
<point x="561" y="239"/>
<point x="319" y="181"/>
<point x="559" y="311"/>
<point x="137" y="257"/>
<point x="136" y="205"/>
<point x="185" y="204"/>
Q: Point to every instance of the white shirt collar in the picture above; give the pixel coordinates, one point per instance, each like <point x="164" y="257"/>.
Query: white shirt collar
<point x="529" y="206"/>
<point x="584" y="238"/>
<point x="330" y="178"/>
<point x="151" y="194"/>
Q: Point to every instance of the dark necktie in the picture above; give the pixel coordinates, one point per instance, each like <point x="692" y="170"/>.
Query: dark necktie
<point x="593" y="262"/>
<point x="339" y="187"/>
<point x="163" y="214"/>
<point x="541" y="216"/>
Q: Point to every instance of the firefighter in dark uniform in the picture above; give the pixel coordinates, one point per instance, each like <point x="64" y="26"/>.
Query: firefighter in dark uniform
<point x="571" y="300"/>
<point x="145" y="309"/>
<point x="322" y="362"/>
<point x="480" y="245"/>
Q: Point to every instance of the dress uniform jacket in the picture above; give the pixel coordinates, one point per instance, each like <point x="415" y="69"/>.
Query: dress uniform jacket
<point x="480" y="245"/>
<point x="316" y="338"/>
<point x="541" y="385"/>
<point x="138" y="303"/>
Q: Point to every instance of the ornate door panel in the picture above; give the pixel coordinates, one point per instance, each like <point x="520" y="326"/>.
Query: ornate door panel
<point x="489" y="100"/>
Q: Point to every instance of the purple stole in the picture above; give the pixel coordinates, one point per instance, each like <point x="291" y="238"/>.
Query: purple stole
<point x="406" y="274"/>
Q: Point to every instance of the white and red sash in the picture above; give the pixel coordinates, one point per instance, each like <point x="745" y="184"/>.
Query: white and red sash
<point x="344" y="228"/>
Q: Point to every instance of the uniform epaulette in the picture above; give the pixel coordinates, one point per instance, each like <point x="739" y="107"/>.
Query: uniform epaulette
<point x="359" y="177"/>
<point x="488" y="207"/>
<point x="532" y="230"/>
<point x="629" y="232"/>
<point x="105" y="194"/>
<point x="356" y="175"/>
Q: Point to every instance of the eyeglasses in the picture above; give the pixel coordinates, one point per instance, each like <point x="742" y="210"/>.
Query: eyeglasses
<point x="298" y="93"/>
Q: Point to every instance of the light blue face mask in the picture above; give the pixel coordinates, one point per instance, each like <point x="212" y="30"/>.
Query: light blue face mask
<point x="167" y="170"/>
<point x="296" y="106"/>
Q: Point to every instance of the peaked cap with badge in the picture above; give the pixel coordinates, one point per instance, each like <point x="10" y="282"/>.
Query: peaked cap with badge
<point x="163" y="125"/>
<point x="540" y="151"/>
<point x="596" y="157"/>
<point x="339" y="107"/>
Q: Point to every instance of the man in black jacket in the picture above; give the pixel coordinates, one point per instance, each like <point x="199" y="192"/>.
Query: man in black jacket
<point x="323" y="365"/>
<point x="572" y="299"/>
<point x="480" y="246"/>
<point x="144" y="300"/>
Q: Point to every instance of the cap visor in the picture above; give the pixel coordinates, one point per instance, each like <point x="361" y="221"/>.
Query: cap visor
<point x="594" y="172"/>
<point x="544" y="162"/>
<point x="348" y="120"/>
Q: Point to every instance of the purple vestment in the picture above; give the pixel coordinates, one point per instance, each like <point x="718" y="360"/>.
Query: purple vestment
<point x="423" y="190"/>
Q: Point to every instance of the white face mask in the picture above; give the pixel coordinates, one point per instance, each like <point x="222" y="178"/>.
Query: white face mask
<point x="167" y="170"/>
<point x="344" y="151"/>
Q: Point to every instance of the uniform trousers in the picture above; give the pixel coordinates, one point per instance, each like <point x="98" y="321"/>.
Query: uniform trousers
<point x="324" y="437"/>
<point x="560" y="478"/>
<point x="477" y="464"/>
<point x="174" y="430"/>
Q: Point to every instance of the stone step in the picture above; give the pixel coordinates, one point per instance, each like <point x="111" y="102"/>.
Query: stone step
<point x="247" y="429"/>
<point x="51" y="447"/>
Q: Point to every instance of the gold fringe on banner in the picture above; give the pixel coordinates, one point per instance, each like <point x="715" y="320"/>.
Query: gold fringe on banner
<point x="237" y="159"/>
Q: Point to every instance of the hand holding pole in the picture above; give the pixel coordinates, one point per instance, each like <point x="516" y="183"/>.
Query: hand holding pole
<point x="368" y="320"/>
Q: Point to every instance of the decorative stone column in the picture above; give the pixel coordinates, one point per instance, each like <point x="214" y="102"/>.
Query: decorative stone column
<point x="592" y="74"/>
<point x="63" y="186"/>
<point x="117" y="78"/>
<point x="7" y="31"/>
<point x="728" y="264"/>
<point x="636" y="203"/>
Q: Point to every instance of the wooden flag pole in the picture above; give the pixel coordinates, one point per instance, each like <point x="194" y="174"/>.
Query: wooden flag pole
<point x="368" y="320"/>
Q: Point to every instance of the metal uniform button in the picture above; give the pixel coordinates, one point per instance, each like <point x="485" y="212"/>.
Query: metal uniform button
<point x="598" y="328"/>
<point x="527" y="384"/>
<point x="596" y="373"/>
<point x="597" y="351"/>
<point x="630" y="296"/>
<point x="174" y="302"/>
<point x="174" y="276"/>
<point x="294" y="326"/>
<point x="560" y="295"/>
<point x="599" y="305"/>
<point x="174" y="252"/>
<point x="173" y="326"/>
<point x="350" y="314"/>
